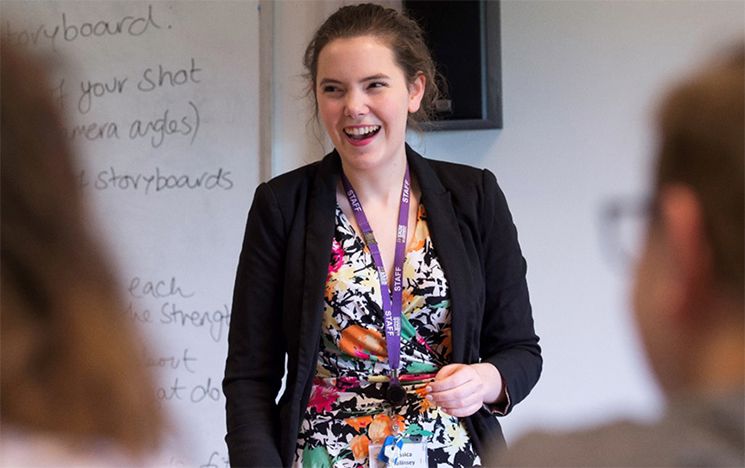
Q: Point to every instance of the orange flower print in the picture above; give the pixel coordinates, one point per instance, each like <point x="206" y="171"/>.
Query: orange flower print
<point x="418" y="245"/>
<point x="328" y="293"/>
<point x="360" y="446"/>
<point x="424" y="403"/>
<point x="359" y="423"/>
<point x="381" y="427"/>
<point x="424" y="406"/>
<point x="406" y="297"/>
<point x="362" y="343"/>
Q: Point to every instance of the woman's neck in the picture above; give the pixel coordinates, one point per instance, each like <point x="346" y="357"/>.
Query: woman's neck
<point x="380" y="185"/>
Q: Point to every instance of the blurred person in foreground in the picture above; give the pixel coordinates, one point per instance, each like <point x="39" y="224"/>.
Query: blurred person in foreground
<point x="688" y="292"/>
<point x="72" y="389"/>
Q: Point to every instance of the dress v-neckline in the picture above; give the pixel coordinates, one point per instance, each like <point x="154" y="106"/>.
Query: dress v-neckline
<point x="358" y="237"/>
<point x="347" y="225"/>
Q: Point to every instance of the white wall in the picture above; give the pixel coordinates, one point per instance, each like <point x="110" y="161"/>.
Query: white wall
<point x="579" y="81"/>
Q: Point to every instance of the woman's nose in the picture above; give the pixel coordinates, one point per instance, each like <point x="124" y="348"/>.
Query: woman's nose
<point x="355" y="104"/>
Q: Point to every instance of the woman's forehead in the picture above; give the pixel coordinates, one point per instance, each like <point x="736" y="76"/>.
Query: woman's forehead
<point x="357" y="58"/>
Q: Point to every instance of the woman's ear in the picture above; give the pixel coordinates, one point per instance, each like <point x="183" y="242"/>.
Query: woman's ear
<point x="416" y="92"/>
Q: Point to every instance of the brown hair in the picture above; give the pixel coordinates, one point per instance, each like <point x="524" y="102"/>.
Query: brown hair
<point x="702" y="127"/>
<point x="402" y="34"/>
<point x="70" y="359"/>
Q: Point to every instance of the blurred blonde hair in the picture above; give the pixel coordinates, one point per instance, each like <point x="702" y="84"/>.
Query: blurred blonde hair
<point x="69" y="356"/>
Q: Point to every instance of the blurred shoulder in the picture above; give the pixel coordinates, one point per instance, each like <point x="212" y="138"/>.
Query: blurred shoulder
<point x="692" y="434"/>
<point x="23" y="448"/>
<point x="622" y="443"/>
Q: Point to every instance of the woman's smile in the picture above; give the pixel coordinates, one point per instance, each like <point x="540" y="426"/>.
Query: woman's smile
<point x="361" y="135"/>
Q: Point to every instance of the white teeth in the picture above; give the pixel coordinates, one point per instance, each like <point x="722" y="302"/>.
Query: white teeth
<point x="360" y="131"/>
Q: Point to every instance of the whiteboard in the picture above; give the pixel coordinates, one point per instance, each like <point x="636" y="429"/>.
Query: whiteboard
<point x="162" y="103"/>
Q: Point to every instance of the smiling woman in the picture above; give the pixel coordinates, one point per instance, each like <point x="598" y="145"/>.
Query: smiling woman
<point x="364" y="100"/>
<point x="393" y="285"/>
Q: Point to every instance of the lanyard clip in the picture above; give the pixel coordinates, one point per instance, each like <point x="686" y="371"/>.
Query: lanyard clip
<point x="369" y="238"/>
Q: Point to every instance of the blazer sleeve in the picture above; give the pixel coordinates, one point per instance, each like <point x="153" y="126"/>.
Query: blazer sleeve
<point x="508" y="338"/>
<point x="256" y="349"/>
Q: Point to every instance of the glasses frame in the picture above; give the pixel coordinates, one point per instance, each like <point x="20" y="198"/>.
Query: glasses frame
<point x="613" y="212"/>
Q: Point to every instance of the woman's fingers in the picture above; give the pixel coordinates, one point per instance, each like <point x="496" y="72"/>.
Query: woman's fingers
<point x="451" y="376"/>
<point x="457" y="389"/>
<point x="463" y="411"/>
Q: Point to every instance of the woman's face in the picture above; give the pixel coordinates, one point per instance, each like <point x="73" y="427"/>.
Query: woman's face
<point x="364" y="100"/>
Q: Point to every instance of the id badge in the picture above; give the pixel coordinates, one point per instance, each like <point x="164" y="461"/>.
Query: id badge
<point x="409" y="452"/>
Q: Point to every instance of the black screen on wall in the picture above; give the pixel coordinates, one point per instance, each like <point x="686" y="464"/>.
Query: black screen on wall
<point x="467" y="57"/>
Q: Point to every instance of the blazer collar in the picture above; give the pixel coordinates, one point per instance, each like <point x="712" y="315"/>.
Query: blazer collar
<point x="428" y="181"/>
<point x="329" y="171"/>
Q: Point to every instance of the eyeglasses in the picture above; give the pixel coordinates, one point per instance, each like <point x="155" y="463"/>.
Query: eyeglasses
<point x="623" y="225"/>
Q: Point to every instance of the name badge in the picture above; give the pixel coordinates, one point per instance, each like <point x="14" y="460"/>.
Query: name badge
<point x="397" y="451"/>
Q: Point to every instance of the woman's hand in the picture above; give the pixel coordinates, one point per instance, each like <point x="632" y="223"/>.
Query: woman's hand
<point x="461" y="389"/>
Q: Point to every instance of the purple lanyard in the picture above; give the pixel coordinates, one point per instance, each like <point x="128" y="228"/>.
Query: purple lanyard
<point x="392" y="303"/>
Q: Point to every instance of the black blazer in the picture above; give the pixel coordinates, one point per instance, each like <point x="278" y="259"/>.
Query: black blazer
<point x="278" y="298"/>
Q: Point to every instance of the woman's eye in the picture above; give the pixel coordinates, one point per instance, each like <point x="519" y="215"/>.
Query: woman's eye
<point x="330" y="89"/>
<point x="377" y="84"/>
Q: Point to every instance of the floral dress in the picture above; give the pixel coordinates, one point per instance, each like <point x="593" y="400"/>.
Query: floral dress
<point x="347" y="411"/>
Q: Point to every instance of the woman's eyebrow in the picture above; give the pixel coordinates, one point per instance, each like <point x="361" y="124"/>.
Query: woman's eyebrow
<point x="329" y="81"/>
<point x="378" y="76"/>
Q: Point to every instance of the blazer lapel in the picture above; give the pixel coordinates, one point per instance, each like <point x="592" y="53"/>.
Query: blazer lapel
<point x="448" y="241"/>
<point x="318" y="238"/>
